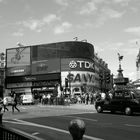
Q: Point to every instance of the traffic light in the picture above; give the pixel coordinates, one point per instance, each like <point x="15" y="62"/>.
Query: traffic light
<point x="107" y="77"/>
<point x="101" y="76"/>
<point x="66" y="82"/>
<point x="2" y="56"/>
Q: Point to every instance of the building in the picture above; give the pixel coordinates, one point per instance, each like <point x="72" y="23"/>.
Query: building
<point x="137" y="81"/>
<point x="2" y="73"/>
<point x="69" y="66"/>
<point x="103" y="75"/>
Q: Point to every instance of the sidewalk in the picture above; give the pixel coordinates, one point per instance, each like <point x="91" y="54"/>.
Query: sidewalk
<point x="31" y="111"/>
<point x="89" y="107"/>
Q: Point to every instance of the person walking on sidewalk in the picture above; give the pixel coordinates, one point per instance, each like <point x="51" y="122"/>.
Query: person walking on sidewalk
<point x="5" y="103"/>
<point x="14" y="105"/>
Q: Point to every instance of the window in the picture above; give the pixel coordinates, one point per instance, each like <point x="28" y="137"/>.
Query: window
<point x="127" y="95"/>
<point x="118" y="95"/>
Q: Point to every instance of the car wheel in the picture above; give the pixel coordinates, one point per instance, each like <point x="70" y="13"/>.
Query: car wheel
<point x="128" y="111"/>
<point x="99" y="109"/>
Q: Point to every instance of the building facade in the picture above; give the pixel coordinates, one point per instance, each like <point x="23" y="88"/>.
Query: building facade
<point x="137" y="81"/>
<point x="70" y="65"/>
<point x="2" y="74"/>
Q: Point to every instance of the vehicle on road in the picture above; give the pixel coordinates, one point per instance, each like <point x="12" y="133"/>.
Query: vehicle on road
<point x="124" y="101"/>
<point x="27" y="99"/>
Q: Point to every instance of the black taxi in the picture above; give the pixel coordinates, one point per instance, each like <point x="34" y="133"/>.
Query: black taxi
<point x="124" y="101"/>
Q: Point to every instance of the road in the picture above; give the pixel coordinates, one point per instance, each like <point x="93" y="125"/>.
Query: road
<point x="52" y="123"/>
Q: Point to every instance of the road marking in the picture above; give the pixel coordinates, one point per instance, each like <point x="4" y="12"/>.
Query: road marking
<point x="35" y="133"/>
<point x="23" y="107"/>
<point x="133" y="125"/>
<point x="27" y="134"/>
<point x="94" y="120"/>
<point x="51" y="128"/>
<point x="12" y="122"/>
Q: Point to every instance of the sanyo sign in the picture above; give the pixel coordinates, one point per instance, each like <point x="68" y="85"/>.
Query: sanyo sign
<point x="81" y="64"/>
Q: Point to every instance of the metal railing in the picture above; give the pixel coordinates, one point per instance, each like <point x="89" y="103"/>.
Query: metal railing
<point x="76" y="129"/>
<point x="9" y="134"/>
<point x="14" y="134"/>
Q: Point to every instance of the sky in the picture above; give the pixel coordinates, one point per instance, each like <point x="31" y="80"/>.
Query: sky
<point x="112" y="26"/>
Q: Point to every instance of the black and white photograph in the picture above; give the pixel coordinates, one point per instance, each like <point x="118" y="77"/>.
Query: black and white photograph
<point x="70" y="70"/>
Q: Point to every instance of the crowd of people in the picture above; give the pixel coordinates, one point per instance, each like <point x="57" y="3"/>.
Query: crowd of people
<point x="4" y="103"/>
<point x="83" y="98"/>
<point x="50" y="99"/>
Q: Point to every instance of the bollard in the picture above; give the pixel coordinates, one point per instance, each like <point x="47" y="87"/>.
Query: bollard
<point x="1" y="114"/>
<point x="77" y="129"/>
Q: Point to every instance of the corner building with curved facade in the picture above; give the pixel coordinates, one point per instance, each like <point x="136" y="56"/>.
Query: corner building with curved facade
<point x="43" y="67"/>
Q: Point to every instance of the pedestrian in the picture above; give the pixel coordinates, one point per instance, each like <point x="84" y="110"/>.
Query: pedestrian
<point x="86" y="98"/>
<point x="14" y="104"/>
<point x="77" y="129"/>
<point x="103" y="96"/>
<point x="5" y="103"/>
<point x="110" y="95"/>
<point x="98" y="96"/>
<point x="91" y="98"/>
<point x="49" y="98"/>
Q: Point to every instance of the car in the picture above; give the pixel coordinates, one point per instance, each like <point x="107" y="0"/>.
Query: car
<point x="124" y="101"/>
<point x="9" y="100"/>
<point x="27" y="99"/>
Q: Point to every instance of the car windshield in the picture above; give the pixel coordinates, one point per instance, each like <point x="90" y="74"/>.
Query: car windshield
<point x="127" y="94"/>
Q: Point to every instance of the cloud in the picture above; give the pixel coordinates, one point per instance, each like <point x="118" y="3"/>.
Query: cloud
<point x="98" y="49"/>
<point x="107" y="13"/>
<point x="122" y="2"/>
<point x="50" y="18"/>
<point x="64" y="27"/>
<point x="110" y="46"/>
<point x="134" y="42"/>
<point x="110" y="13"/>
<point x="32" y="24"/>
<point x="62" y="2"/>
<point x="89" y="8"/>
<point x="131" y="75"/>
<point x="85" y="25"/>
<point x="130" y="51"/>
<point x="134" y="30"/>
<point x="18" y="34"/>
<point x="38" y="24"/>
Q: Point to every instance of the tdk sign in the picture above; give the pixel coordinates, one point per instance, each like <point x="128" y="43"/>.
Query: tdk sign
<point x="81" y="64"/>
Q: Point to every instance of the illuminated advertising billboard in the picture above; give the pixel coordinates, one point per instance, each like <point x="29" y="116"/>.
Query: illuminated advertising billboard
<point x="46" y="66"/>
<point x="18" y="71"/>
<point x="77" y="64"/>
<point x="70" y="49"/>
<point x="19" y="56"/>
<point x="18" y="61"/>
<point x="77" y="78"/>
